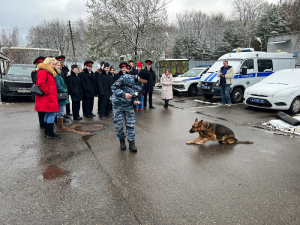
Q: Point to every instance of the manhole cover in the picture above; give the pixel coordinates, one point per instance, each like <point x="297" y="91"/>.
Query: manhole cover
<point x="88" y="127"/>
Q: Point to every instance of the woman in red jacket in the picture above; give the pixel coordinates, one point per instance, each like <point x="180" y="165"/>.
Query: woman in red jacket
<point x="48" y="102"/>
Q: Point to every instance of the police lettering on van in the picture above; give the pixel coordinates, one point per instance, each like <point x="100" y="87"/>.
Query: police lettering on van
<point x="249" y="66"/>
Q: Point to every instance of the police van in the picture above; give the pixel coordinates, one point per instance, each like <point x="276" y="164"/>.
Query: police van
<point x="250" y="67"/>
<point x="187" y="82"/>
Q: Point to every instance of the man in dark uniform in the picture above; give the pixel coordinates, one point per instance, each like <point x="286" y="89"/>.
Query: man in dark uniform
<point x="149" y="86"/>
<point x="75" y="91"/>
<point x="41" y="115"/>
<point x="132" y="70"/>
<point x="104" y="81"/>
<point x="64" y="74"/>
<point x="88" y="85"/>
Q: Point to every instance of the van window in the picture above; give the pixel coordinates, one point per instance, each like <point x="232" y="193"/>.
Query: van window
<point x="249" y="63"/>
<point x="265" y="65"/>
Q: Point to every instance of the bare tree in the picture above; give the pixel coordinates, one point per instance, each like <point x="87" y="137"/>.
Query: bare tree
<point x="132" y="26"/>
<point x="247" y="12"/>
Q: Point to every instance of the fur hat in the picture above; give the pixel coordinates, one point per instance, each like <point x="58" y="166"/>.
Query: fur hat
<point x="144" y="74"/>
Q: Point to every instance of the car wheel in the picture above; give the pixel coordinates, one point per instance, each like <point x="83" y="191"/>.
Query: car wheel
<point x="193" y="90"/>
<point x="295" y="106"/>
<point x="237" y="95"/>
<point x="207" y="96"/>
<point x="4" y="98"/>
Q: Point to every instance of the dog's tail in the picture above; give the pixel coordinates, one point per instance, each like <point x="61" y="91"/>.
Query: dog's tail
<point x="244" y="142"/>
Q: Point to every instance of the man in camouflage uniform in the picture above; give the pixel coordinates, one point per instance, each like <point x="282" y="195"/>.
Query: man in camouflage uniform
<point x="126" y="92"/>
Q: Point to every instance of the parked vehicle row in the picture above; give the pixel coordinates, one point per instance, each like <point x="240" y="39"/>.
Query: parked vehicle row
<point x="264" y="80"/>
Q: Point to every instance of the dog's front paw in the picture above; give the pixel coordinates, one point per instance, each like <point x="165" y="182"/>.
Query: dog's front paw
<point x="189" y="143"/>
<point x="200" y="143"/>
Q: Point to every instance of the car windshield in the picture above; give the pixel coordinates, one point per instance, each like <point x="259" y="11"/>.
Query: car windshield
<point x="283" y="77"/>
<point x="236" y="64"/>
<point x="192" y="73"/>
<point x="20" y="70"/>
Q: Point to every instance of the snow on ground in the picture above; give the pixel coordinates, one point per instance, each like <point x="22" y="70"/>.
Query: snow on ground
<point x="279" y="125"/>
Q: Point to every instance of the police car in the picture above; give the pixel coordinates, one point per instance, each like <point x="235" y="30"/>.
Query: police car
<point x="250" y="67"/>
<point x="187" y="82"/>
<point x="279" y="91"/>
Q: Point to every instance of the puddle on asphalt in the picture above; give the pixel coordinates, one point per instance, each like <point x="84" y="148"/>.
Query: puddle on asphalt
<point x="53" y="172"/>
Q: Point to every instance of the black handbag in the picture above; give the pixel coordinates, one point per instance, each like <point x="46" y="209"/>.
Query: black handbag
<point x="36" y="89"/>
<point x="62" y="96"/>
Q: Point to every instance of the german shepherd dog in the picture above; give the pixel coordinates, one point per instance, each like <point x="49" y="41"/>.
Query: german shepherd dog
<point x="214" y="132"/>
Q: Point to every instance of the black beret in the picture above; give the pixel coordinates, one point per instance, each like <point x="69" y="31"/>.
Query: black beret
<point x="123" y="64"/>
<point x="74" y="66"/>
<point x="106" y="65"/>
<point x="144" y="74"/>
<point x="39" y="60"/>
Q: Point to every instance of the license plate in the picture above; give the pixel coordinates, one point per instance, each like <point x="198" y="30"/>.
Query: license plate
<point x="257" y="100"/>
<point x="24" y="91"/>
<point x="205" y="87"/>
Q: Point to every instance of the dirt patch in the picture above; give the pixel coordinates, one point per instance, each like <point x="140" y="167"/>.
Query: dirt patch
<point x="87" y="128"/>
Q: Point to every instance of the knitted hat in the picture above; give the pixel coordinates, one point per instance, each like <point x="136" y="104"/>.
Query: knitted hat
<point x="144" y="74"/>
<point x="139" y="64"/>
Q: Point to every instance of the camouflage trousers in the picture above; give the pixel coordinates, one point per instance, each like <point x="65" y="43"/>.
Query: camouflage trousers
<point x="128" y="113"/>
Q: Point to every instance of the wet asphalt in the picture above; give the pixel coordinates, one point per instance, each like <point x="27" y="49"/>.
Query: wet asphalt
<point x="86" y="179"/>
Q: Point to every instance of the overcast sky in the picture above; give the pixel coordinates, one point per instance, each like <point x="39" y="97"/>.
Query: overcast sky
<point x="26" y="13"/>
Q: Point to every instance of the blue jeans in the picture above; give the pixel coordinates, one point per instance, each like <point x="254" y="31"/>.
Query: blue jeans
<point x="50" y="117"/>
<point x="225" y="92"/>
<point x="140" y="106"/>
<point x="61" y="112"/>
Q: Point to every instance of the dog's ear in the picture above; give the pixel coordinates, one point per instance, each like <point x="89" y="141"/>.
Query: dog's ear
<point x="196" y="120"/>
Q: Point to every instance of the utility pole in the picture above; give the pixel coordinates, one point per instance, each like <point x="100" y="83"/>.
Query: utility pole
<point x="74" y="57"/>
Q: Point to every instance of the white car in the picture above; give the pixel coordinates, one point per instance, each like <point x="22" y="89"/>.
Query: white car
<point x="187" y="82"/>
<point x="280" y="91"/>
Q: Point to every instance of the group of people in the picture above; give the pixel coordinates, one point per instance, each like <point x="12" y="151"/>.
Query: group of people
<point x="129" y="87"/>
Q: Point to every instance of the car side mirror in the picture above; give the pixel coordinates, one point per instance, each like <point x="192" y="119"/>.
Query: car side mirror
<point x="244" y="70"/>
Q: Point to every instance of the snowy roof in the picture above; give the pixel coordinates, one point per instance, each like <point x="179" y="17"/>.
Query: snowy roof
<point x="249" y="55"/>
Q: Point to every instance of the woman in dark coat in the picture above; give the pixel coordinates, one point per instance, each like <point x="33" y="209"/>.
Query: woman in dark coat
<point x="104" y="82"/>
<point x="48" y="102"/>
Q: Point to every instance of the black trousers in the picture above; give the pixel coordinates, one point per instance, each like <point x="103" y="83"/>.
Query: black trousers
<point x="84" y="106"/>
<point x="104" y="107"/>
<point x="89" y="105"/>
<point x="75" y="108"/>
<point x="150" y="99"/>
<point x="68" y="110"/>
<point x="41" y="119"/>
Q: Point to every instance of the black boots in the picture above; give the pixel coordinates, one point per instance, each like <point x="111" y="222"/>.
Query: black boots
<point x="51" y="133"/>
<point x="41" y="119"/>
<point x="46" y="130"/>
<point x="166" y="104"/>
<point x="122" y="144"/>
<point x="132" y="146"/>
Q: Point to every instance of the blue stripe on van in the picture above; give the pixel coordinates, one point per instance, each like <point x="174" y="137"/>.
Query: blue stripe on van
<point x="212" y="77"/>
<point x="206" y="79"/>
